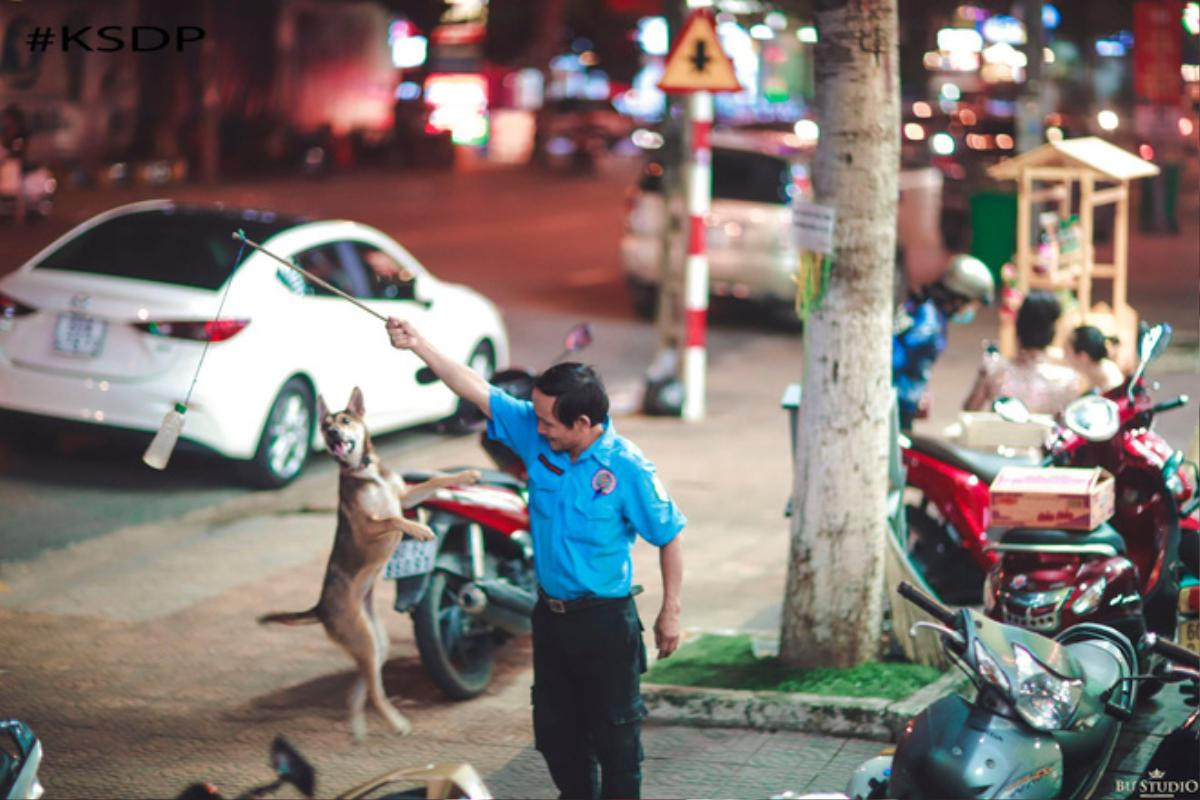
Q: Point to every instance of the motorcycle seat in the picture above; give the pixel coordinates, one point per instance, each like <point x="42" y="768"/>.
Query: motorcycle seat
<point x="1103" y="535"/>
<point x="985" y="466"/>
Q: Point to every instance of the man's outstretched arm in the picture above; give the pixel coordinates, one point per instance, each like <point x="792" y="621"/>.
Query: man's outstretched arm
<point x="462" y="380"/>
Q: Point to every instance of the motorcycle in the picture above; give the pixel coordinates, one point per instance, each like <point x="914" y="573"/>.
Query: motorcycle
<point x="441" y="781"/>
<point x="947" y="510"/>
<point x="1187" y="625"/>
<point x="20" y="758"/>
<point x="1043" y="723"/>
<point x="474" y="586"/>
<point x="1174" y="769"/>
<point x="30" y="186"/>
<point x="947" y="487"/>
<point x="1125" y="572"/>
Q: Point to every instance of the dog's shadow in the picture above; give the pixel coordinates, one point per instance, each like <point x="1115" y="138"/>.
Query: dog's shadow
<point x="404" y="680"/>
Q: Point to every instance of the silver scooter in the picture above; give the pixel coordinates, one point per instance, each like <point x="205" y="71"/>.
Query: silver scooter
<point x="1043" y="724"/>
<point x="20" y="757"/>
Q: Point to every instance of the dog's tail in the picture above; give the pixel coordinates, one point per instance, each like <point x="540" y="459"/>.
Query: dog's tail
<point x="308" y="617"/>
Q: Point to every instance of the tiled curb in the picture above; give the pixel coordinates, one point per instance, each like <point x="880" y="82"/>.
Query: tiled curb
<point x="863" y="717"/>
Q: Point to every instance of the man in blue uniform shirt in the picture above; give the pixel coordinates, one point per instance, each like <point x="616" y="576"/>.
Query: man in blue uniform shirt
<point x="592" y="493"/>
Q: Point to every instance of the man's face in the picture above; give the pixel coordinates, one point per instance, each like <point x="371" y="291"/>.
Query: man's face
<point x="562" y="438"/>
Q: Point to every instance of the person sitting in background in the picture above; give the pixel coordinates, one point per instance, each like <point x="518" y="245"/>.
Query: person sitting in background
<point x="1089" y="356"/>
<point x="1032" y="377"/>
<point x="921" y="327"/>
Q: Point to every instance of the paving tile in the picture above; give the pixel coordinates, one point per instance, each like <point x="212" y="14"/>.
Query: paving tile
<point x="724" y="745"/>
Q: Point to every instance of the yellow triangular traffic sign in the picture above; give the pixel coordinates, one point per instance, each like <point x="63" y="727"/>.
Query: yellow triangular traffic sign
<point x="696" y="62"/>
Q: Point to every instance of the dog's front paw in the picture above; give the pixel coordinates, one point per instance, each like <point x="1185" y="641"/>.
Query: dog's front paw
<point x="421" y="532"/>
<point x="469" y="476"/>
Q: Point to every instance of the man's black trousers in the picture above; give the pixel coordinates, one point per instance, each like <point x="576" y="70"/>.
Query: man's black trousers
<point x="587" y="702"/>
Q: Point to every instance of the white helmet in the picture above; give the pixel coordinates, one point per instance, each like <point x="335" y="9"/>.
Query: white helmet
<point x="969" y="277"/>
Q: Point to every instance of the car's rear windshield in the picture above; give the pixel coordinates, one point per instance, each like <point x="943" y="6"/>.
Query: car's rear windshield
<point x="760" y="178"/>
<point x="176" y="245"/>
<point x="736" y="175"/>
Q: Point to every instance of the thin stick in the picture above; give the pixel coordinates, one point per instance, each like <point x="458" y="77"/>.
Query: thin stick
<point x="240" y="236"/>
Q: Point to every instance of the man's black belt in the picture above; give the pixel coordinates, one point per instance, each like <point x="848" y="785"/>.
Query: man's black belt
<point x="579" y="604"/>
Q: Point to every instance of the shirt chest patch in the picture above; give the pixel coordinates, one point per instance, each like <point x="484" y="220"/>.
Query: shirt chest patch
<point x="604" y="482"/>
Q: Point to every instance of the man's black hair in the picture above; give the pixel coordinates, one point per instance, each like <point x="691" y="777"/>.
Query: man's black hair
<point x="949" y="302"/>
<point x="1036" y="319"/>
<point x="1091" y="341"/>
<point x="577" y="390"/>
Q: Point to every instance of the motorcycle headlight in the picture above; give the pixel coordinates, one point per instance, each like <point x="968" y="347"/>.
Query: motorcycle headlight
<point x="1089" y="599"/>
<point x="1044" y="700"/>
<point x="988" y="669"/>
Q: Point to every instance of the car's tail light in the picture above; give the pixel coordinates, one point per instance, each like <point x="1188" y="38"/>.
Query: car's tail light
<point x="217" y="330"/>
<point x="11" y="308"/>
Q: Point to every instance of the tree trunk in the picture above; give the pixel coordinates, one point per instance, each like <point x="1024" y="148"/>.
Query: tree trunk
<point x="833" y="606"/>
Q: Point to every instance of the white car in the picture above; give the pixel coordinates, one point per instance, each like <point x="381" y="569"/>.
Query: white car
<point x="108" y="324"/>
<point x="751" y="253"/>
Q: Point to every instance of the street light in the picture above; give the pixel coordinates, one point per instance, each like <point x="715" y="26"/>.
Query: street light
<point x="1108" y="120"/>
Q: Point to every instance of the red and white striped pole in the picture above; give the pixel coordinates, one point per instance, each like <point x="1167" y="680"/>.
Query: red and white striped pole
<point x="695" y="293"/>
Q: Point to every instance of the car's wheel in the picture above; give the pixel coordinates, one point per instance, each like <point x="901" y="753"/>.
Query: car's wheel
<point x="286" y="438"/>
<point x="781" y="315"/>
<point x="456" y="650"/>
<point x="645" y="299"/>
<point x="466" y="415"/>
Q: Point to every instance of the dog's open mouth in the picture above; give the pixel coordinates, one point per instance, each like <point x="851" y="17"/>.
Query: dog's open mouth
<point x="341" y="448"/>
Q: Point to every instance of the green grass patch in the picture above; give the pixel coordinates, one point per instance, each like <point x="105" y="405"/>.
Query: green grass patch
<point x="728" y="662"/>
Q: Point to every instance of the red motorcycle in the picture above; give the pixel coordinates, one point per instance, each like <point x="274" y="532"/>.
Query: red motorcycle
<point x="1125" y="572"/>
<point x="474" y="586"/>
<point x="947" y="511"/>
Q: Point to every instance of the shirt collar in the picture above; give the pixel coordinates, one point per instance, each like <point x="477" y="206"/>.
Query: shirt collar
<point x="602" y="448"/>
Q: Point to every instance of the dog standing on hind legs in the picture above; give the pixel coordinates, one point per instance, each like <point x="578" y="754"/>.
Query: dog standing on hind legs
<point x="370" y="523"/>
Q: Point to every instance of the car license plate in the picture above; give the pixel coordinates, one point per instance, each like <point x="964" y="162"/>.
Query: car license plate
<point x="1189" y="635"/>
<point x="411" y="557"/>
<point x="77" y="335"/>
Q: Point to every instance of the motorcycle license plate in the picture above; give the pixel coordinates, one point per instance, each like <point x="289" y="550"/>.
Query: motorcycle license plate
<point x="411" y="557"/>
<point x="1189" y="635"/>
<point x="77" y="335"/>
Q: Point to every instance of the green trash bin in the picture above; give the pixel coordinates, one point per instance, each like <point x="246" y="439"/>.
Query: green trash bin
<point x="994" y="229"/>
<point x="1160" y="201"/>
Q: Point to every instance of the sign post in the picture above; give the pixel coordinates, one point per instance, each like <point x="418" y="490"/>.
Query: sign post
<point x="697" y="66"/>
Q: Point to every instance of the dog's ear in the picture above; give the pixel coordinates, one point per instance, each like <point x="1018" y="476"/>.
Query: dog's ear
<point x="322" y="409"/>
<point x="356" y="406"/>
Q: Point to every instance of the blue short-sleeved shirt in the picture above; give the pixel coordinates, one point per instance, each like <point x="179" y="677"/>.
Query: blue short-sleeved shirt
<point x="585" y="516"/>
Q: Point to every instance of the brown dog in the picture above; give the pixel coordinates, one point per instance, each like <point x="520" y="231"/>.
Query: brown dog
<point x="371" y="522"/>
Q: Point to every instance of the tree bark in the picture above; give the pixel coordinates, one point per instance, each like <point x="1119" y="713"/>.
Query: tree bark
<point x="833" y="606"/>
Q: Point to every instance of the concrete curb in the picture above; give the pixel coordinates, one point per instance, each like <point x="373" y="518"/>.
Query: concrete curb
<point x="864" y="717"/>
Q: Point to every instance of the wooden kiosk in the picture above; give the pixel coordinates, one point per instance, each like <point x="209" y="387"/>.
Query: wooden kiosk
<point x="1047" y="175"/>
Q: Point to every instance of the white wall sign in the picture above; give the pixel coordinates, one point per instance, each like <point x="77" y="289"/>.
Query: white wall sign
<point x="812" y="225"/>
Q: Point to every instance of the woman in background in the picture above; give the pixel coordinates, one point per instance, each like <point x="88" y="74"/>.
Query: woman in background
<point x="1089" y="355"/>
<point x="1044" y="385"/>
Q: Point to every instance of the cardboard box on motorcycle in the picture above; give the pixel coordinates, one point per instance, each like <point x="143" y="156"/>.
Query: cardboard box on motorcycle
<point x="1074" y="498"/>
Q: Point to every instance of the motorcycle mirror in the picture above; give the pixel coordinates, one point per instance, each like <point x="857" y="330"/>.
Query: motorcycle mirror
<point x="291" y="767"/>
<point x="1011" y="409"/>
<point x="578" y="338"/>
<point x="1094" y="418"/>
<point x="1152" y="343"/>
